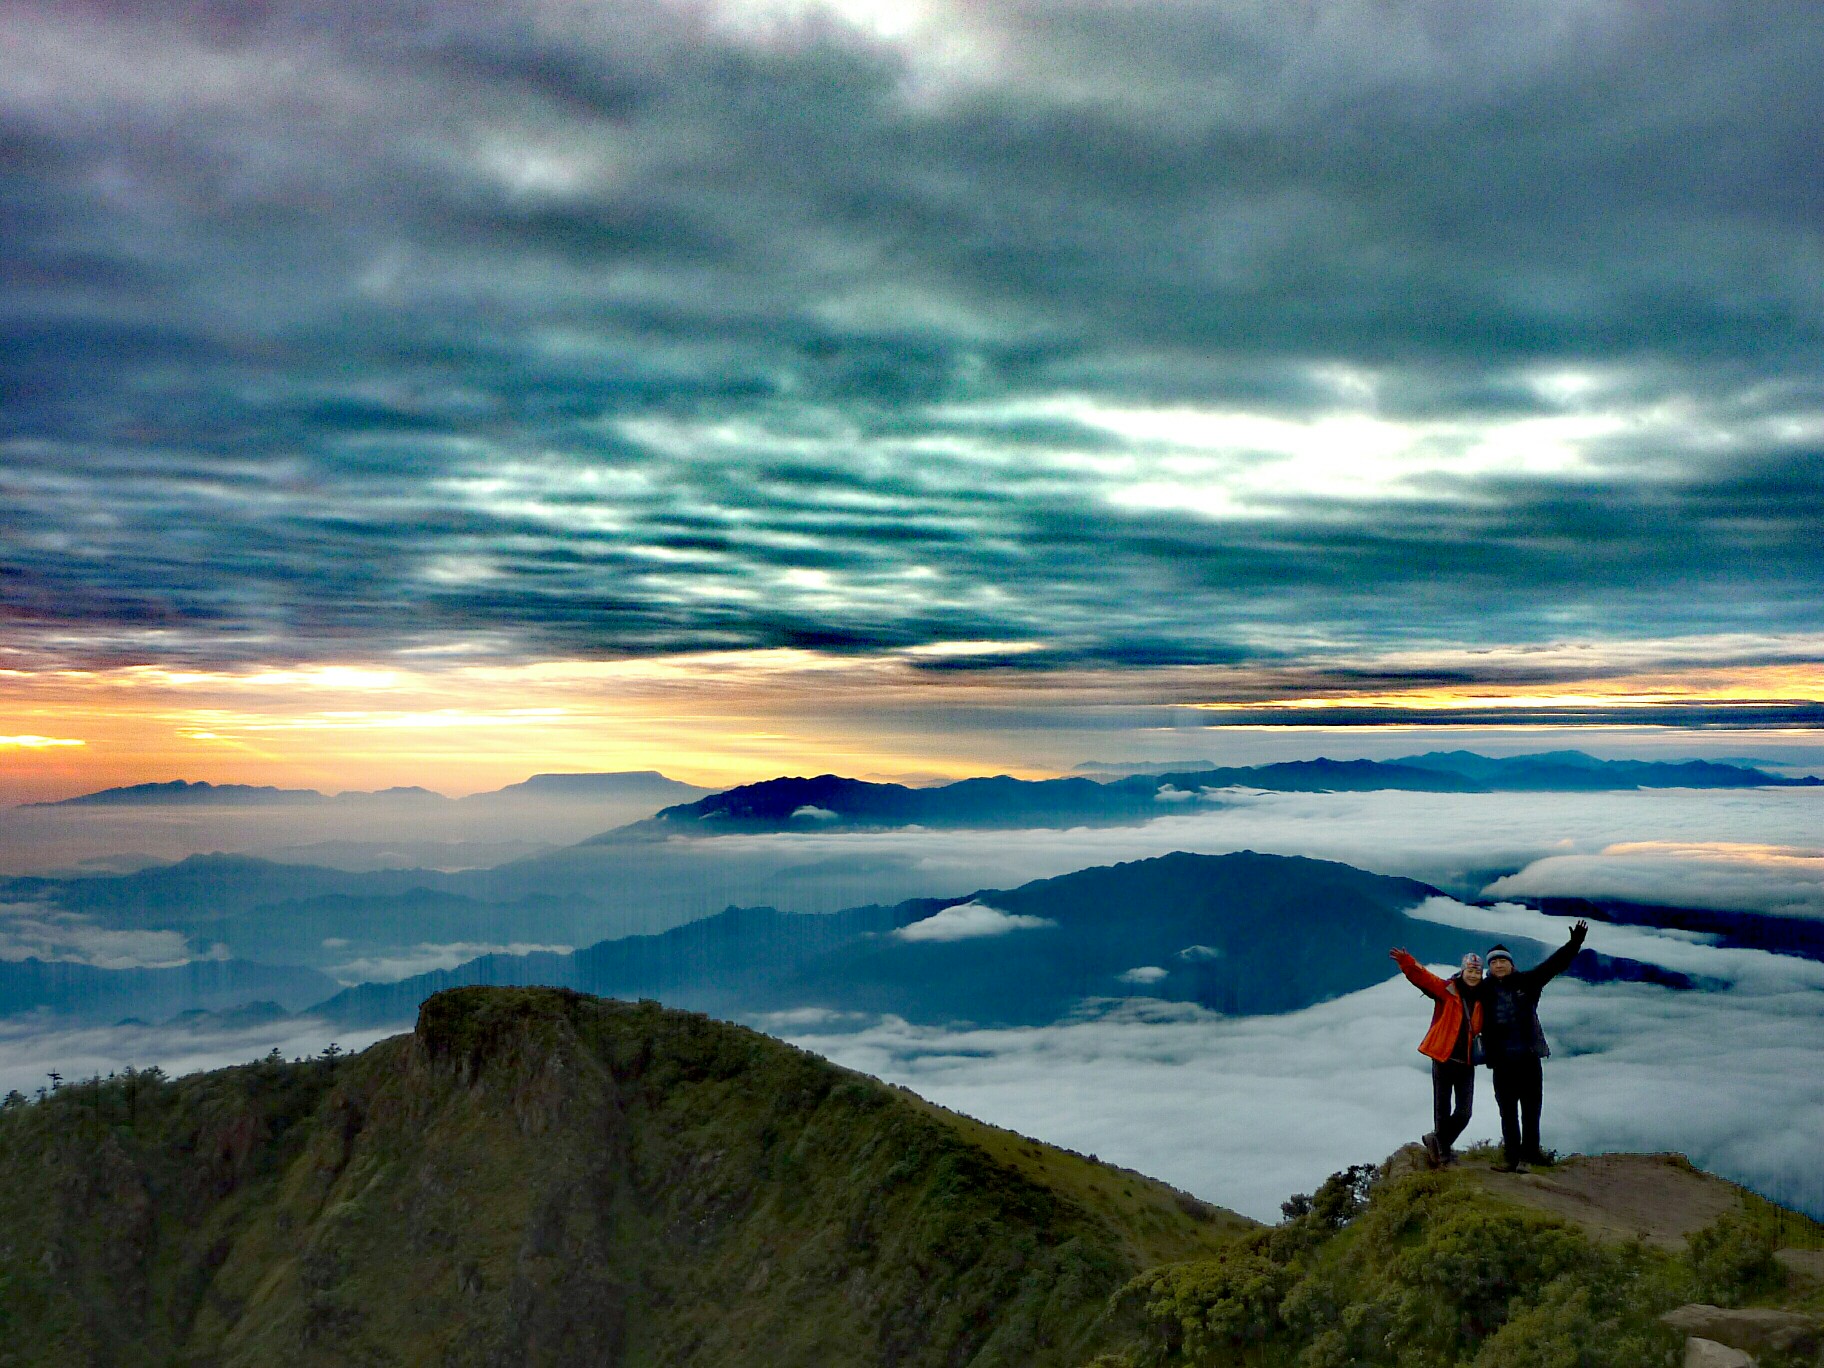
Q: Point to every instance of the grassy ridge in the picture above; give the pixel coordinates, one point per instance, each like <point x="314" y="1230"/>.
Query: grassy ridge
<point x="535" y="1176"/>
<point x="1433" y="1270"/>
<point x="538" y="1176"/>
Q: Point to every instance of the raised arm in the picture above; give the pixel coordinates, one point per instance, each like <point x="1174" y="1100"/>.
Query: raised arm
<point x="1560" y="959"/>
<point x="1420" y="977"/>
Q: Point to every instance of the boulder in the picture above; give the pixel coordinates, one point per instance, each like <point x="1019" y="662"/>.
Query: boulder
<point x="1754" y="1329"/>
<point x="1406" y="1159"/>
<point x="1703" y="1353"/>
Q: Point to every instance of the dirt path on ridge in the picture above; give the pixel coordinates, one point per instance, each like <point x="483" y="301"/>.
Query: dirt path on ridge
<point x="1658" y="1198"/>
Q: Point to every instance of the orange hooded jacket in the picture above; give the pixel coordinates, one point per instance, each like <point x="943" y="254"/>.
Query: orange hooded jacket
<point x="1446" y="1011"/>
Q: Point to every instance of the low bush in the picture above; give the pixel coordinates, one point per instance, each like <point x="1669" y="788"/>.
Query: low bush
<point x="1428" y="1271"/>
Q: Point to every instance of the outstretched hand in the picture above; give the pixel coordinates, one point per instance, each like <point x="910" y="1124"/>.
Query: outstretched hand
<point x="1398" y="954"/>
<point x="1579" y="932"/>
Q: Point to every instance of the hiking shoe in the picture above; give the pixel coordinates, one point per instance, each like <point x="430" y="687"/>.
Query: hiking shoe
<point x="1448" y="1156"/>
<point x="1543" y="1158"/>
<point x="1505" y="1167"/>
<point x="1433" y="1151"/>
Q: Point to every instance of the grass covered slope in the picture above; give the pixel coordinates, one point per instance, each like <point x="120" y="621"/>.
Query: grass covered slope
<point x="1446" y="1269"/>
<point x="537" y="1176"/>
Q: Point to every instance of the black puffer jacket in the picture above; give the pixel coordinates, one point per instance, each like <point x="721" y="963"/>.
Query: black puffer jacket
<point x="1510" y="1006"/>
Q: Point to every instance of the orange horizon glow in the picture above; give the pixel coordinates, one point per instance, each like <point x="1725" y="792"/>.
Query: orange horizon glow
<point x="715" y="719"/>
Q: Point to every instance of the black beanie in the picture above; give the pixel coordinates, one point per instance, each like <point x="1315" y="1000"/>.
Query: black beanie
<point x="1500" y="950"/>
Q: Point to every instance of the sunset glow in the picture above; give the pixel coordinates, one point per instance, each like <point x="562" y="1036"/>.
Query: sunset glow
<point x="911" y="389"/>
<point x="717" y="718"/>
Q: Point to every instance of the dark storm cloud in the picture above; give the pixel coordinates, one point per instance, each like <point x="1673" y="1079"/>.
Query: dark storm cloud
<point x="611" y="328"/>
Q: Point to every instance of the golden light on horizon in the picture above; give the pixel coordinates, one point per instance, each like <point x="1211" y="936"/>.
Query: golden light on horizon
<point x="714" y="718"/>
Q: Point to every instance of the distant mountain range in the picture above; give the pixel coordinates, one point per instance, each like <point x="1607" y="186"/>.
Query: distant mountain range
<point x="1245" y="934"/>
<point x="1569" y="769"/>
<point x="623" y="786"/>
<point x="1573" y="771"/>
<point x="1140" y="792"/>
<point x="1781" y="935"/>
<point x="82" y="992"/>
<point x="831" y="802"/>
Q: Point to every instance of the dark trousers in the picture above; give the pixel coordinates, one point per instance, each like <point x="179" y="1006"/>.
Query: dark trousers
<point x="1519" y="1087"/>
<point x="1453" y="1096"/>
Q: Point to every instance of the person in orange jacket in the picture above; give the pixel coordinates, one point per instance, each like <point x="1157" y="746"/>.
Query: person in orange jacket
<point x="1456" y="1022"/>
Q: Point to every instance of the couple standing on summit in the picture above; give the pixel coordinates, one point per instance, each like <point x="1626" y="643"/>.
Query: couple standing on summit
<point x="1492" y="1018"/>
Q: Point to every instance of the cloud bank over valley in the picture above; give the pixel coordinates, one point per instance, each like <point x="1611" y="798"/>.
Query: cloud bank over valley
<point x="1244" y="1110"/>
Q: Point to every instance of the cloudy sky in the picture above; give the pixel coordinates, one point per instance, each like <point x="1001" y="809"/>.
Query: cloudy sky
<point x="426" y="393"/>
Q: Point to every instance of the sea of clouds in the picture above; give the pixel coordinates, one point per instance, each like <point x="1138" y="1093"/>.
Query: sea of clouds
<point x="38" y="931"/>
<point x="1246" y="1111"/>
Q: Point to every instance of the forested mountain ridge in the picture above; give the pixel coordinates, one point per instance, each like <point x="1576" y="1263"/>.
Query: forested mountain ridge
<point x="537" y="1176"/>
<point x="834" y="802"/>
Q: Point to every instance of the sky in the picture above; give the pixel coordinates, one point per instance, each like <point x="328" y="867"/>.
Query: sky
<point x="407" y="393"/>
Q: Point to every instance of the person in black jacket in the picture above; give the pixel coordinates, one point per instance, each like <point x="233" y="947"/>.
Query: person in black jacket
<point x="1514" y="1043"/>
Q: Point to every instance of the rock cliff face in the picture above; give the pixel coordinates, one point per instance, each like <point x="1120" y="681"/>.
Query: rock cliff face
<point x="534" y="1176"/>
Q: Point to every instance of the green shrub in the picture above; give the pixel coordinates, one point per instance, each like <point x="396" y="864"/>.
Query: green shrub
<point x="1564" y="1329"/>
<point x="1197" y="1311"/>
<point x="1430" y="1272"/>
<point x="1732" y="1259"/>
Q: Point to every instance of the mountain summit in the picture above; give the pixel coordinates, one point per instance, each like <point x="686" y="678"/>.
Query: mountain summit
<point x="534" y="1176"/>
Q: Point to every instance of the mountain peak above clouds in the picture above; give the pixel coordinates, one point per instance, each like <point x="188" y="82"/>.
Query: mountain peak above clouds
<point x="186" y="792"/>
<point x="1242" y="934"/>
<point x="831" y="802"/>
<point x="618" y="784"/>
<point x="615" y="784"/>
<point x="567" y="1180"/>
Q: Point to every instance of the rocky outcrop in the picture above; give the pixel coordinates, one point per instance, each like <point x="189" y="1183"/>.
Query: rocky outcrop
<point x="1753" y="1333"/>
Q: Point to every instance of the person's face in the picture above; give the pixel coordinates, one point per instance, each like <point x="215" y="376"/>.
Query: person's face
<point x="1472" y="972"/>
<point x="1501" y="967"/>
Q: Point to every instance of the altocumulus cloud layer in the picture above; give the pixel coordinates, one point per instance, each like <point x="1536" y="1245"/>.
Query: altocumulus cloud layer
<point x="1127" y="334"/>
